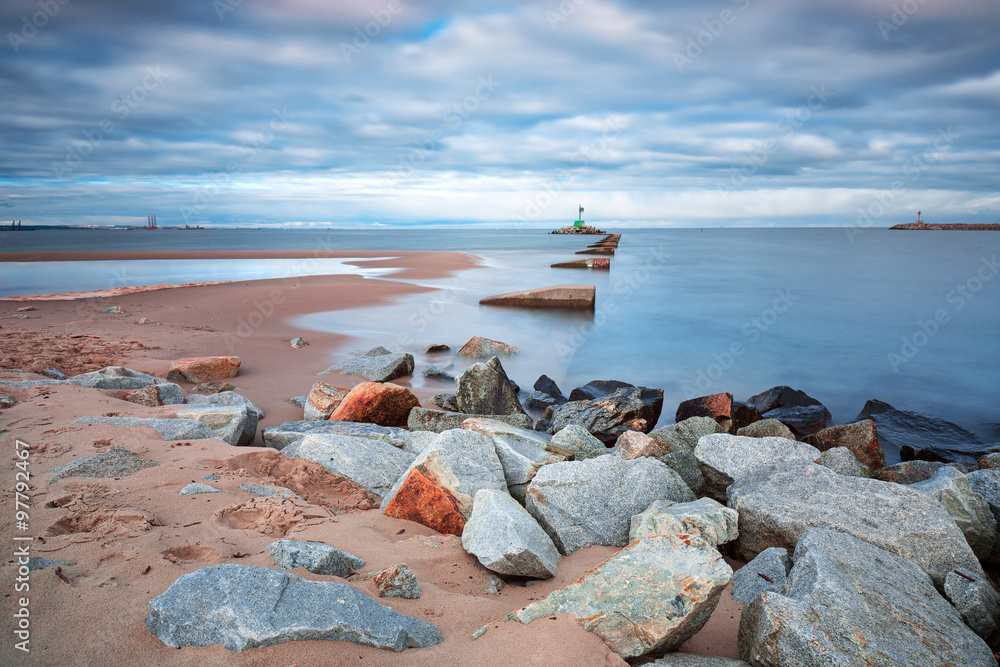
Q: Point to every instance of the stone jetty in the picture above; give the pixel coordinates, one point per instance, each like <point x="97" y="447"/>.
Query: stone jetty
<point x="587" y="263"/>
<point x="557" y="296"/>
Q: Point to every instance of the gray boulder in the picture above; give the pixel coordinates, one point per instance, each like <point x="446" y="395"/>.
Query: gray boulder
<point x="704" y="518"/>
<point x="607" y="417"/>
<point x="485" y="389"/>
<point x="197" y="488"/>
<point x="766" y="572"/>
<point x="521" y="451"/>
<point x="168" y="429"/>
<point x="849" y="603"/>
<point x="683" y="436"/>
<point x="115" y="462"/>
<point x="695" y="660"/>
<point x="222" y="398"/>
<point x="767" y="428"/>
<point x="445" y="401"/>
<point x="233" y="424"/>
<point x="243" y="607"/>
<point x="289" y="433"/>
<point x="170" y="393"/>
<point x="317" y="557"/>
<point x="373" y="464"/>
<point x="686" y="465"/>
<point x="579" y="441"/>
<point x="778" y="505"/>
<point x="377" y="364"/>
<point x="433" y="371"/>
<point x="650" y="597"/>
<point x="841" y="461"/>
<point x="114" y="377"/>
<point x="422" y="419"/>
<point x="507" y="540"/>
<point x="969" y="510"/>
<point x="724" y="458"/>
<point x="978" y="603"/>
<point x="582" y="503"/>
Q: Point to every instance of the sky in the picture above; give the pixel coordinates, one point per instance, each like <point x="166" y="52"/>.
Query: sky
<point x="312" y="113"/>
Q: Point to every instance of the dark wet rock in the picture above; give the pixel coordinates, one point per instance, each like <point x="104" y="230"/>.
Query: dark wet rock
<point x="433" y="371"/>
<point x="597" y="389"/>
<point x="54" y="373"/>
<point x="873" y="406"/>
<point x="317" y="557"/>
<point x="908" y="472"/>
<point x="547" y="385"/>
<point x="906" y="436"/>
<point x="377" y="364"/>
<point x="243" y="607"/>
<point x="743" y="414"/>
<point x="716" y="406"/>
<point x="484" y="388"/>
<point x="115" y="462"/>
<point x="773" y="563"/>
<point x="781" y="397"/>
<point x="437" y="347"/>
<point x="422" y="419"/>
<point x="629" y="408"/>
<point x="538" y="401"/>
<point x="445" y="401"/>
<point x="802" y="420"/>
<point x="861" y="438"/>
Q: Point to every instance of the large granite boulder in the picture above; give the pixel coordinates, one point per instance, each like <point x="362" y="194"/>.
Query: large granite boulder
<point x="373" y="464"/>
<point x="578" y="440"/>
<point x="582" y="503"/>
<point x="484" y="348"/>
<point x="715" y="406"/>
<point x="317" y="557"/>
<point x="969" y="510"/>
<point x="978" y="603"/>
<point x="438" y="421"/>
<point x="724" y="458"/>
<point x="382" y="403"/>
<point x="908" y="472"/>
<point x="597" y="389"/>
<point x="861" y="438"/>
<point x="704" y="518"/>
<point x="377" y="364"/>
<point x="168" y="429"/>
<point x="243" y="607"/>
<point x="777" y="506"/>
<point x="109" y="377"/>
<point x="508" y="540"/>
<point x="439" y="487"/>
<point x="521" y="451"/>
<point x="849" y="603"/>
<point x="227" y="397"/>
<point x="650" y="597"/>
<point x="233" y="424"/>
<point x="768" y="571"/>
<point x="906" y="435"/>
<point x="203" y="369"/>
<point x="484" y="389"/>
<point x="629" y="408"/>
<point x="323" y="399"/>
<point x="684" y="435"/>
<point x="289" y="433"/>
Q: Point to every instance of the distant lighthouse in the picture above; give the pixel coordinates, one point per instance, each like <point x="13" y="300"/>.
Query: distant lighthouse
<point x="579" y="221"/>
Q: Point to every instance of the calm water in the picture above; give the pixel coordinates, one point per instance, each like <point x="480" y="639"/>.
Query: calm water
<point x="911" y="318"/>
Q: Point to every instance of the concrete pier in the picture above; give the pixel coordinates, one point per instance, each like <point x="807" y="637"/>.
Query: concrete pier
<point x="556" y="296"/>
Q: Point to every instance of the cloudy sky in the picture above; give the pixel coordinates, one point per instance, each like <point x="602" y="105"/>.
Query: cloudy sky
<point x="392" y="112"/>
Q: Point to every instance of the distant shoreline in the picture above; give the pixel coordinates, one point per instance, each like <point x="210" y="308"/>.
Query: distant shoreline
<point x="955" y="225"/>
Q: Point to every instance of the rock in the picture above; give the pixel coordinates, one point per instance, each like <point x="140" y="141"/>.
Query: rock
<point x="704" y="518"/>
<point x="850" y="603"/>
<point x="36" y="563"/>
<point x="582" y="503"/>
<point x="717" y="406"/>
<point x="144" y="320"/>
<point x="289" y="433"/>
<point x="979" y="605"/>
<point x="396" y="581"/>
<point x="198" y="488"/>
<point x="439" y="487"/>
<point x="484" y="348"/>
<point x="906" y="435"/>
<point x="577" y="439"/>
<point x="317" y="557"/>
<point x="777" y="508"/>
<point x="538" y="401"/>
<point x="298" y="401"/>
<point x="242" y="607"/>
<point x="115" y="462"/>
<point x="695" y="660"/>
<point x="203" y="369"/>
<point x="632" y="445"/>
<point x="116" y="310"/>
<point x="651" y="596"/>
<point x="422" y="419"/>
<point x="373" y="464"/>
<point x="743" y="414"/>
<point x="507" y="540"/>
<point x="781" y="397"/>
<point x="908" y="472"/>
<point x="54" y="373"/>
<point x="725" y="458"/>
<point x="299" y="342"/>
<point x="547" y="385"/>
<point x="521" y="451"/>
<point x="986" y="483"/>
<point x="7" y="401"/>
<point x="172" y="394"/>
<point x="768" y="428"/>
<point x="842" y="461"/>
<point x="684" y="436"/>
<point x="629" y="408"/>
<point x="113" y="377"/>
<point x="802" y="420"/>
<point x="385" y="404"/>
<point x="861" y="438"/>
<point x="168" y="429"/>
<point x="26" y="309"/>
<point x="213" y="387"/>
<point x="873" y="407"/>
<point x="433" y="371"/>
<point x="686" y="465"/>
<point x="377" y="364"/>
<point x="773" y="564"/>
<point x="233" y="424"/>
<point x="445" y="401"/>
<point x="323" y="399"/>
<point x="556" y="296"/>
<point x="484" y="389"/>
<point x="597" y="389"/>
<point x="267" y="490"/>
<point x="969" y="510"/>
<point x="148" y="396"/>
<point x="229" y="398"/>
<point x="438" y="347"/>
<point x="418" y="441"/>
<point x="990" y="461"/>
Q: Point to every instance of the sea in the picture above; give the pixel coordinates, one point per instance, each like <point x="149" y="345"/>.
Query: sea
<point x="911" y="318"/>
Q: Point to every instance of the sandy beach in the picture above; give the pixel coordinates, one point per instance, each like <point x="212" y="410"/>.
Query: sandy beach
<point x="131" y="537"/>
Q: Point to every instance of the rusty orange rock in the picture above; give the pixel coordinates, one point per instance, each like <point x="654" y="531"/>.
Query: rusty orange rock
<point x="203" y="369"/>
<point x="381" y="403"/>
<point x="420" y="499"/>
<point x="717" y="406"/>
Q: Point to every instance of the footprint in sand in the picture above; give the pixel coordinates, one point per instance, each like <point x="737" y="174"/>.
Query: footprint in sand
<point x="190" y="552"/>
